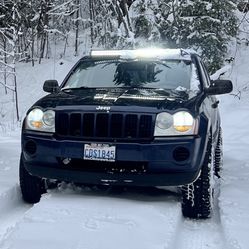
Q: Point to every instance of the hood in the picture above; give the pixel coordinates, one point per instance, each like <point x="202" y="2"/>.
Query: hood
<point x="137" y="97"/>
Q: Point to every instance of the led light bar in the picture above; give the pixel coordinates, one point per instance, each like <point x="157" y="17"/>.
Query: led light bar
<point x="100" y="53"/>
<point x="144" y="53"/>
<point x="154" y="52"/>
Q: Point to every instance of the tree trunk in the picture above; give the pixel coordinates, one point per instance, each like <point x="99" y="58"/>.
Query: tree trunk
<point x="16" y="95"/>
<point x="65" y="46"/>
<point x="32" y="47"/>
<point x="5" y="62"/>
<point x="91" y="20"/>
<point x="121" y="18"/>
<point x="77" y="28"/>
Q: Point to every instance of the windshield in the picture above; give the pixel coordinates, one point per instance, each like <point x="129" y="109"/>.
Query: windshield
<point x="167" y="74"/>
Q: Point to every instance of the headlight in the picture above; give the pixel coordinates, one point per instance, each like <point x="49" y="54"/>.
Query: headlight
<point x="183" y="121"/>
<point x="41" y="121"/>
<point x="180" y="123"/>
<point x="48" y="118"/>
<point x="164" y="120"/>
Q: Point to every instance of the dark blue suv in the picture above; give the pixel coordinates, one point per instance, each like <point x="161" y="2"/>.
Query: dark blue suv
<point x="145" y="117"/>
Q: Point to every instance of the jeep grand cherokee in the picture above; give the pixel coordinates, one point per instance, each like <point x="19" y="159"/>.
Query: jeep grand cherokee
<point x="145" y="117"/>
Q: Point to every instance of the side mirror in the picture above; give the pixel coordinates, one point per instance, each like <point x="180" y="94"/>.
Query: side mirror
<point x="219" y="87"/>
<point x="50" y="86"/>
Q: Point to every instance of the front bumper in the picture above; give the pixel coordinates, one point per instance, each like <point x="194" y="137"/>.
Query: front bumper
<point x="160" y="167"/>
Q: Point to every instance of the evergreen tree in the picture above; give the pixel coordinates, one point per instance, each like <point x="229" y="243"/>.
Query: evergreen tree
<point x="110" y="23"/>
<point x="206" y="26"/>
<point x="144" y="16"/>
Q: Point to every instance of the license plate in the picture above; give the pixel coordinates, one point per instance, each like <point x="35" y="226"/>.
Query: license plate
<point x="99" y="152"/>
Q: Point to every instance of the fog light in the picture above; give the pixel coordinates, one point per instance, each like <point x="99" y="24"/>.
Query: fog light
<point x="30" y="147"/>
<point x="181" y="154"/>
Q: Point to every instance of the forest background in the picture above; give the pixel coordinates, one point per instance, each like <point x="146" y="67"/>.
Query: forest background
<point x="33" y="30"/>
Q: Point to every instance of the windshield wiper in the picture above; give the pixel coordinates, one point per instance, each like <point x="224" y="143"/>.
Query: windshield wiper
<point x="138" y="87"/>
<point x="77" y="88"/>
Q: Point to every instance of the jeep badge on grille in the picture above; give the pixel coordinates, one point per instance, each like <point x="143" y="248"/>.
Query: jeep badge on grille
<point x="103" y="108"/>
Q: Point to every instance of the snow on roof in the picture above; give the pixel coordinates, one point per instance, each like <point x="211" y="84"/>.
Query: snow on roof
<point x="145" y="53"/>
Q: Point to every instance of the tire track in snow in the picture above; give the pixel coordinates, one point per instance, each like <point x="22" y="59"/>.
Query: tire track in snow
<point x="69" y="218"/>
<point x="150" y="221"/>
<point x="201" y="234"/>
<point x="12" y="210"/>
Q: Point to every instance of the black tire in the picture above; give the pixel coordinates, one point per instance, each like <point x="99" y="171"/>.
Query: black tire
<point x="32" y="187"/>
<point x="218" y="155"/>
<point x="197" y="196"/>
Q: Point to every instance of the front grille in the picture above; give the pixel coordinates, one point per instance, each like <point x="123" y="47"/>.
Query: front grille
<point x="110" y="126"/>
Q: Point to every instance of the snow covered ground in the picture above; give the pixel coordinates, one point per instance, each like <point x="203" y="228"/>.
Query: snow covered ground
<point x="74" y="218"/>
